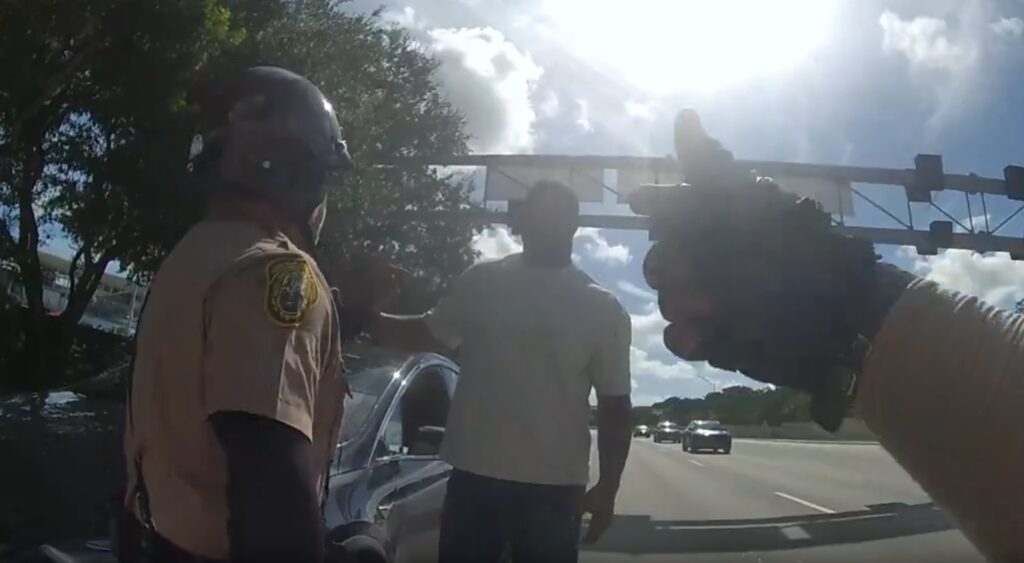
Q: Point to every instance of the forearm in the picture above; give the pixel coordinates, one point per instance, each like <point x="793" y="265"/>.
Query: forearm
<point x="943" y="390"/>
<point x="403" y="333"/>
<point x="273" y="513"/>
<point x="614" y="436"/>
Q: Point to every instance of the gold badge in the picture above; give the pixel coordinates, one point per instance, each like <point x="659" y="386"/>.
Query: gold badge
<point x="291" y="290"/>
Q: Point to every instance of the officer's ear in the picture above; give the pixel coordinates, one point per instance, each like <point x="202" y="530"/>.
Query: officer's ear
<point x="516" y="209"/>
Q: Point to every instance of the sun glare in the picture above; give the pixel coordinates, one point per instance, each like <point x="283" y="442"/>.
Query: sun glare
<point x="668" y="46"/>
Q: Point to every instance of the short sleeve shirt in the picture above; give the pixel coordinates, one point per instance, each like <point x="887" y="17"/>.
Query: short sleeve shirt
<point x="237" y="319"/>
<point x="533" y="343"/>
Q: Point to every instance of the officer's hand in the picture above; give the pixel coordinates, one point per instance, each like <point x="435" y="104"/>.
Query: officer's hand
<point x="369" y="283"/>
<point x="599" y="502"/>
<point x="755" y="280"/>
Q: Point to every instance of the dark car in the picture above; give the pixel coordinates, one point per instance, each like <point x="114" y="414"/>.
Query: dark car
<point x="706" y="435"/>
<point x="642" y="431"/>
<point x="386" y="481"/>
<point x="667" y="432"/>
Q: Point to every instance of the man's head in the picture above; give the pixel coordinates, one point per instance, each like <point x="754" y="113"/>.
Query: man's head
<point x="271" y="137"/>
<point x="547" y="221"/>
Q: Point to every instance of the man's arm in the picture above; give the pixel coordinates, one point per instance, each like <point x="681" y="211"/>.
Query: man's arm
<point x="273" y="513"/>
<point x="404" y="333"/>
<point x="611" y="381"/>
<point x="943" y="389"/>
<point x="440" y="329"/>
<point x="614" y="436"/>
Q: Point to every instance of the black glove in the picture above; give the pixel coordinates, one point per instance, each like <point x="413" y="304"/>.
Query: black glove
<point x="753" y="279"/>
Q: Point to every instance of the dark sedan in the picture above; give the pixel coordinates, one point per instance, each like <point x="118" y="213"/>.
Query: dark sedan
<point x="667" y="432"/>
<point x="386" y="482"/>
<point x="706" y="435"/>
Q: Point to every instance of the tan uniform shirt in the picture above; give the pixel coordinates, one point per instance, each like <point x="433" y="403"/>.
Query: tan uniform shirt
<point x="237" y="319"/>
<point x="943" y="388"/>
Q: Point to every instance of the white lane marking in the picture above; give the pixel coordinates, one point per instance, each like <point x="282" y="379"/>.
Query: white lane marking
<point x="806" y="503"/>
<point x="794" y="533"/>
<point x="695" y="462"/>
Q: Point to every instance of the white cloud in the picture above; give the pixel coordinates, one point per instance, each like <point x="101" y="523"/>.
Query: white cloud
<point x="630" y="288"/>
<point x="549" y="105"/>
<point x="642" y="365"/>
<point x="583" y="117"/>
<point x="648" y="328"/>
<point x="406" y="17"/>
<point x="490" y="80"/>
<point x="639" y="110"/>
<point x="995" y="278"/>
<point x="496" y="242"/>
<point x="925" y="41"/>
<point x="598" y="248"/>
<point x="1008" y="27"/>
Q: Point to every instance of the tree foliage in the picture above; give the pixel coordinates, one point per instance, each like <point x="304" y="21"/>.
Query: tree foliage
<point x="96" y="111"/>
<point x="389" y="105"/>
<point x="732" y="405"/>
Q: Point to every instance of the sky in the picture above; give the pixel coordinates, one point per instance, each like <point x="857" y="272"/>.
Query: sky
<point x="854" y="82"/>
<point x="857" y="82"/>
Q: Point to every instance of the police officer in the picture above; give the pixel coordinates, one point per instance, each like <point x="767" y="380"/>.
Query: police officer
<point x="237" y="392"/>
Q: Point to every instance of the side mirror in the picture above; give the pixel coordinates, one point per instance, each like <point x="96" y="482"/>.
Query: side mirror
<point x="427" y="441"/>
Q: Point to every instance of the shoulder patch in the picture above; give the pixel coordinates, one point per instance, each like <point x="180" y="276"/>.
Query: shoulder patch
<point x="291" y="290"/>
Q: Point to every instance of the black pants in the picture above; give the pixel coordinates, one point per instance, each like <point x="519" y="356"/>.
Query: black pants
<point x="128" y="535"/>
<point x="485" y="519"/>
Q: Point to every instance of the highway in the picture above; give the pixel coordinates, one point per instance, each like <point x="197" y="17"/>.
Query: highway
<point x="774" y="502"/>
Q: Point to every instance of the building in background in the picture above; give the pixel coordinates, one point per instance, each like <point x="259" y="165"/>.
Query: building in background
<point x="114" y="307"/>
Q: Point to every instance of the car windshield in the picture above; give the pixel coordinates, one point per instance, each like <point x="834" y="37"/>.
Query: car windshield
<point x="366" y="386"/>
<point x="710" y="426"/>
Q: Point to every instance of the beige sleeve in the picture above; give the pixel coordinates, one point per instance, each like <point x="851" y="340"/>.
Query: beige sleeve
<point x="943" y="388"/>
<point x="262" y="346"/>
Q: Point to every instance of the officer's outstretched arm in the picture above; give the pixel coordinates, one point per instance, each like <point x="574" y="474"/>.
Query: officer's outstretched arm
<point x="273" y="513"/>
<point x="405" y="333"/>
<point x="442" y="328"/>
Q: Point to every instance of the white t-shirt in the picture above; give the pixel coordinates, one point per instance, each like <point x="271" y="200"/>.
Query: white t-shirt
<point x="532" y="344"/>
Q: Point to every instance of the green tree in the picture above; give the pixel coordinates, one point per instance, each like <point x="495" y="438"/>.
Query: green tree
<point x="92" y="92"/>
<point x="738" y="405"/>
<point x="95" y="117"/>
<point x="388" y="102"/>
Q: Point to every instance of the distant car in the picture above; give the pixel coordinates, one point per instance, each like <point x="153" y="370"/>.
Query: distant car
<point x="386" y="482"/>
<point x="667" y="432"/>
<point x="706" y="435"/>
<point x="642" y="431"/>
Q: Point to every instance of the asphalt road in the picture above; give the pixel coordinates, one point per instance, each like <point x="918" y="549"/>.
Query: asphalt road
<point x="774" y="502"/>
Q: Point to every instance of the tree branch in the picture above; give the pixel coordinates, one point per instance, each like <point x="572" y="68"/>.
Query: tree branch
<point x="27" y="246"/>
<point x="85" y="249"/>
<point x="85" y="287"/>
<point x="57" y="82"/>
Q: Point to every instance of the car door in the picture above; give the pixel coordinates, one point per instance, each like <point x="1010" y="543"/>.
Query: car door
<point x="422" y="476"/>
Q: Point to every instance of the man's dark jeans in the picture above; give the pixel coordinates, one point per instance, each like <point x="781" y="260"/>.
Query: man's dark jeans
<point x="485" y="519"/>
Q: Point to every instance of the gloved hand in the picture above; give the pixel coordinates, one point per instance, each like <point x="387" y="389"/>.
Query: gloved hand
<point x="753" y="279"/>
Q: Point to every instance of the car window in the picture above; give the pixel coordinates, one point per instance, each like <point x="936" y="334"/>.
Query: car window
<point x="366" y="387"/>
<point x="424" y="402"/>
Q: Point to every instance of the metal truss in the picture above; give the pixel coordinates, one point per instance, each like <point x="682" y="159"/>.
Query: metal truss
<point x="915" y="185"/>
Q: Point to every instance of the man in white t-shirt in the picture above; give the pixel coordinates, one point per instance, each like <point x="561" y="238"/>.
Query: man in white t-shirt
<point x="535" y="335"/>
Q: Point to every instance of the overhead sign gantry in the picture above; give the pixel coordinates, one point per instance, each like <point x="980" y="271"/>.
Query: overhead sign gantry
<point x="507" y="177"/>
